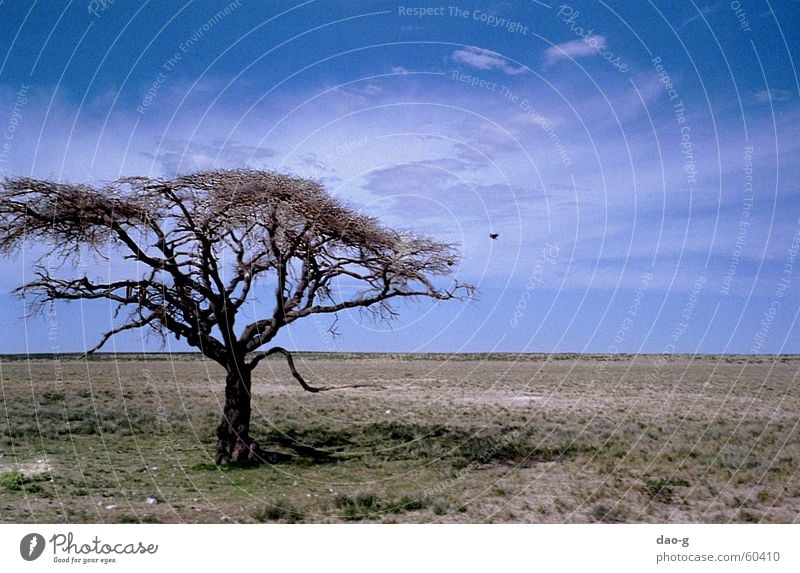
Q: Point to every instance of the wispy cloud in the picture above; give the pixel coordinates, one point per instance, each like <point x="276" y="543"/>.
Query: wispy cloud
<point x="703" y="12"/>
<point x="773" y="95"/>
<point x="573" y="49"/>
<point x="485" y="60"/>
<point x="174" y="157"/>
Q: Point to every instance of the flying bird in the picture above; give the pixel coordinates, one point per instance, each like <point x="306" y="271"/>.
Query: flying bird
<point x="494" y="236"/>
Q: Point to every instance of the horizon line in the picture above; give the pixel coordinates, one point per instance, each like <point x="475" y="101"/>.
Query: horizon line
<point x="108" y="355"/>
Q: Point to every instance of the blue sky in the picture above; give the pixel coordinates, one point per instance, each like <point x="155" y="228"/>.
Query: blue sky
<point x="638" y="159"/>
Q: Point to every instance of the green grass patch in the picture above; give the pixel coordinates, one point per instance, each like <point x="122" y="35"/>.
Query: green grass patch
<point x="662" y="489"/>
<point x="367" y="505"/>
<point x="17" y="481"/>
<point x="285" y="513"/>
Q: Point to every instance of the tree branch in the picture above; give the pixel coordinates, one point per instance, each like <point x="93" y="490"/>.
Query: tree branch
<point x="313" y="389"/>
<point x="145" y="320"/>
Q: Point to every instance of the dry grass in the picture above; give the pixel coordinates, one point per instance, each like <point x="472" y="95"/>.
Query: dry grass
<point x="447" y="439"/>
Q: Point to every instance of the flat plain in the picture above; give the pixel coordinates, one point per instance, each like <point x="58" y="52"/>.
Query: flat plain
<point x="432" y="438"/>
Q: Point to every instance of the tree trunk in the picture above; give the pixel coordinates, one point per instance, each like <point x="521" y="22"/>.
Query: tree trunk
<point x="235" y="444"/>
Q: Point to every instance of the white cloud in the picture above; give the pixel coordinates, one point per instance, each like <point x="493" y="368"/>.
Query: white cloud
<point x="573" y="49"/>
<point x="485" y="60"/>
<point x="773" y="95"/>
<point x="399" y="70"/>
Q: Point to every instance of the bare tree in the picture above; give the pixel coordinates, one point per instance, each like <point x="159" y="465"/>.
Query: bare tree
<point x="201" y="242"/>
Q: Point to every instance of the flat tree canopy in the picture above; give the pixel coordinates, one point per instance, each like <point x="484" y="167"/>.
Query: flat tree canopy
<point x="201" y="242"/>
